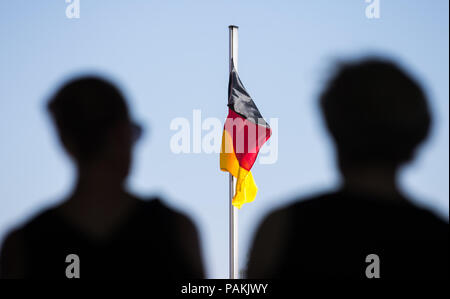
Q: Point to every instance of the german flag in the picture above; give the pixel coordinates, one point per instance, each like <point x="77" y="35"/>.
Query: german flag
<point x="244" y="133"/>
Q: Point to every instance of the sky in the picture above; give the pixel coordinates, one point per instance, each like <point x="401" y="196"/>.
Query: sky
<point x="171" y="57"/>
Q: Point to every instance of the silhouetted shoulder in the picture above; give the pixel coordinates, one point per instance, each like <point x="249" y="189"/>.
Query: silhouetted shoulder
<point x="155" y="241"/>
<point x="269" y="244"/>
<point x="13" y="249"/>
<point x="185" y="237"/>
<point x="386" y="216"/>
<point x="182" y="234"/>
<point x="330" y="235"/>
<point x="11" y="262"/>
<point x="156" y="205"/>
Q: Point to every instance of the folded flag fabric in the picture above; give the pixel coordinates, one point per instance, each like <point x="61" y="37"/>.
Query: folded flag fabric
<point x="244" y="133"/>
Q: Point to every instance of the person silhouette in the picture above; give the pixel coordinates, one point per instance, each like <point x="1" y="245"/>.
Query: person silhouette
<point x="377" y="115"/>
<point x="113" y="233"/>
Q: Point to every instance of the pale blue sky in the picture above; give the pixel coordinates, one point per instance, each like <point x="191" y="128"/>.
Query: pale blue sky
<point x="171" y="57"/>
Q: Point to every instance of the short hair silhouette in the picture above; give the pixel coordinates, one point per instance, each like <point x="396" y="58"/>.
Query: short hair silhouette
<point x="374" y="112"/>
<point x="377" y="115"/>
<point x="84" y="110"/>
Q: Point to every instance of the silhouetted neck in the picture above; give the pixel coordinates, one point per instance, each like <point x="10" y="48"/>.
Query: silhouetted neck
<point x="98" y="205"/>
<point x="96" y="184"/>
<point x="380" y="182"/>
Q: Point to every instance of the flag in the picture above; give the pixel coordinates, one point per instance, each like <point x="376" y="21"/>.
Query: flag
<point x="244" y="133"/>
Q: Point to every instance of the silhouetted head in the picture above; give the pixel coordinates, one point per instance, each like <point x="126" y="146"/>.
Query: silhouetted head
<point x="94" y="125"/>
<point x="376" y="113"/>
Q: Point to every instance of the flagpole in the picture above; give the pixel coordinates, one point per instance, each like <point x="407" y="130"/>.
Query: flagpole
<point x="233" y="211"/>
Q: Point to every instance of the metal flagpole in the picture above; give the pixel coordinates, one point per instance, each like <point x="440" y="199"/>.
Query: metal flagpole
<point x="234" y="268"/>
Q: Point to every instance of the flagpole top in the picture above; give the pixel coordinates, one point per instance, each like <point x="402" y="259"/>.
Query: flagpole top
<point x="233" y="26"/>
